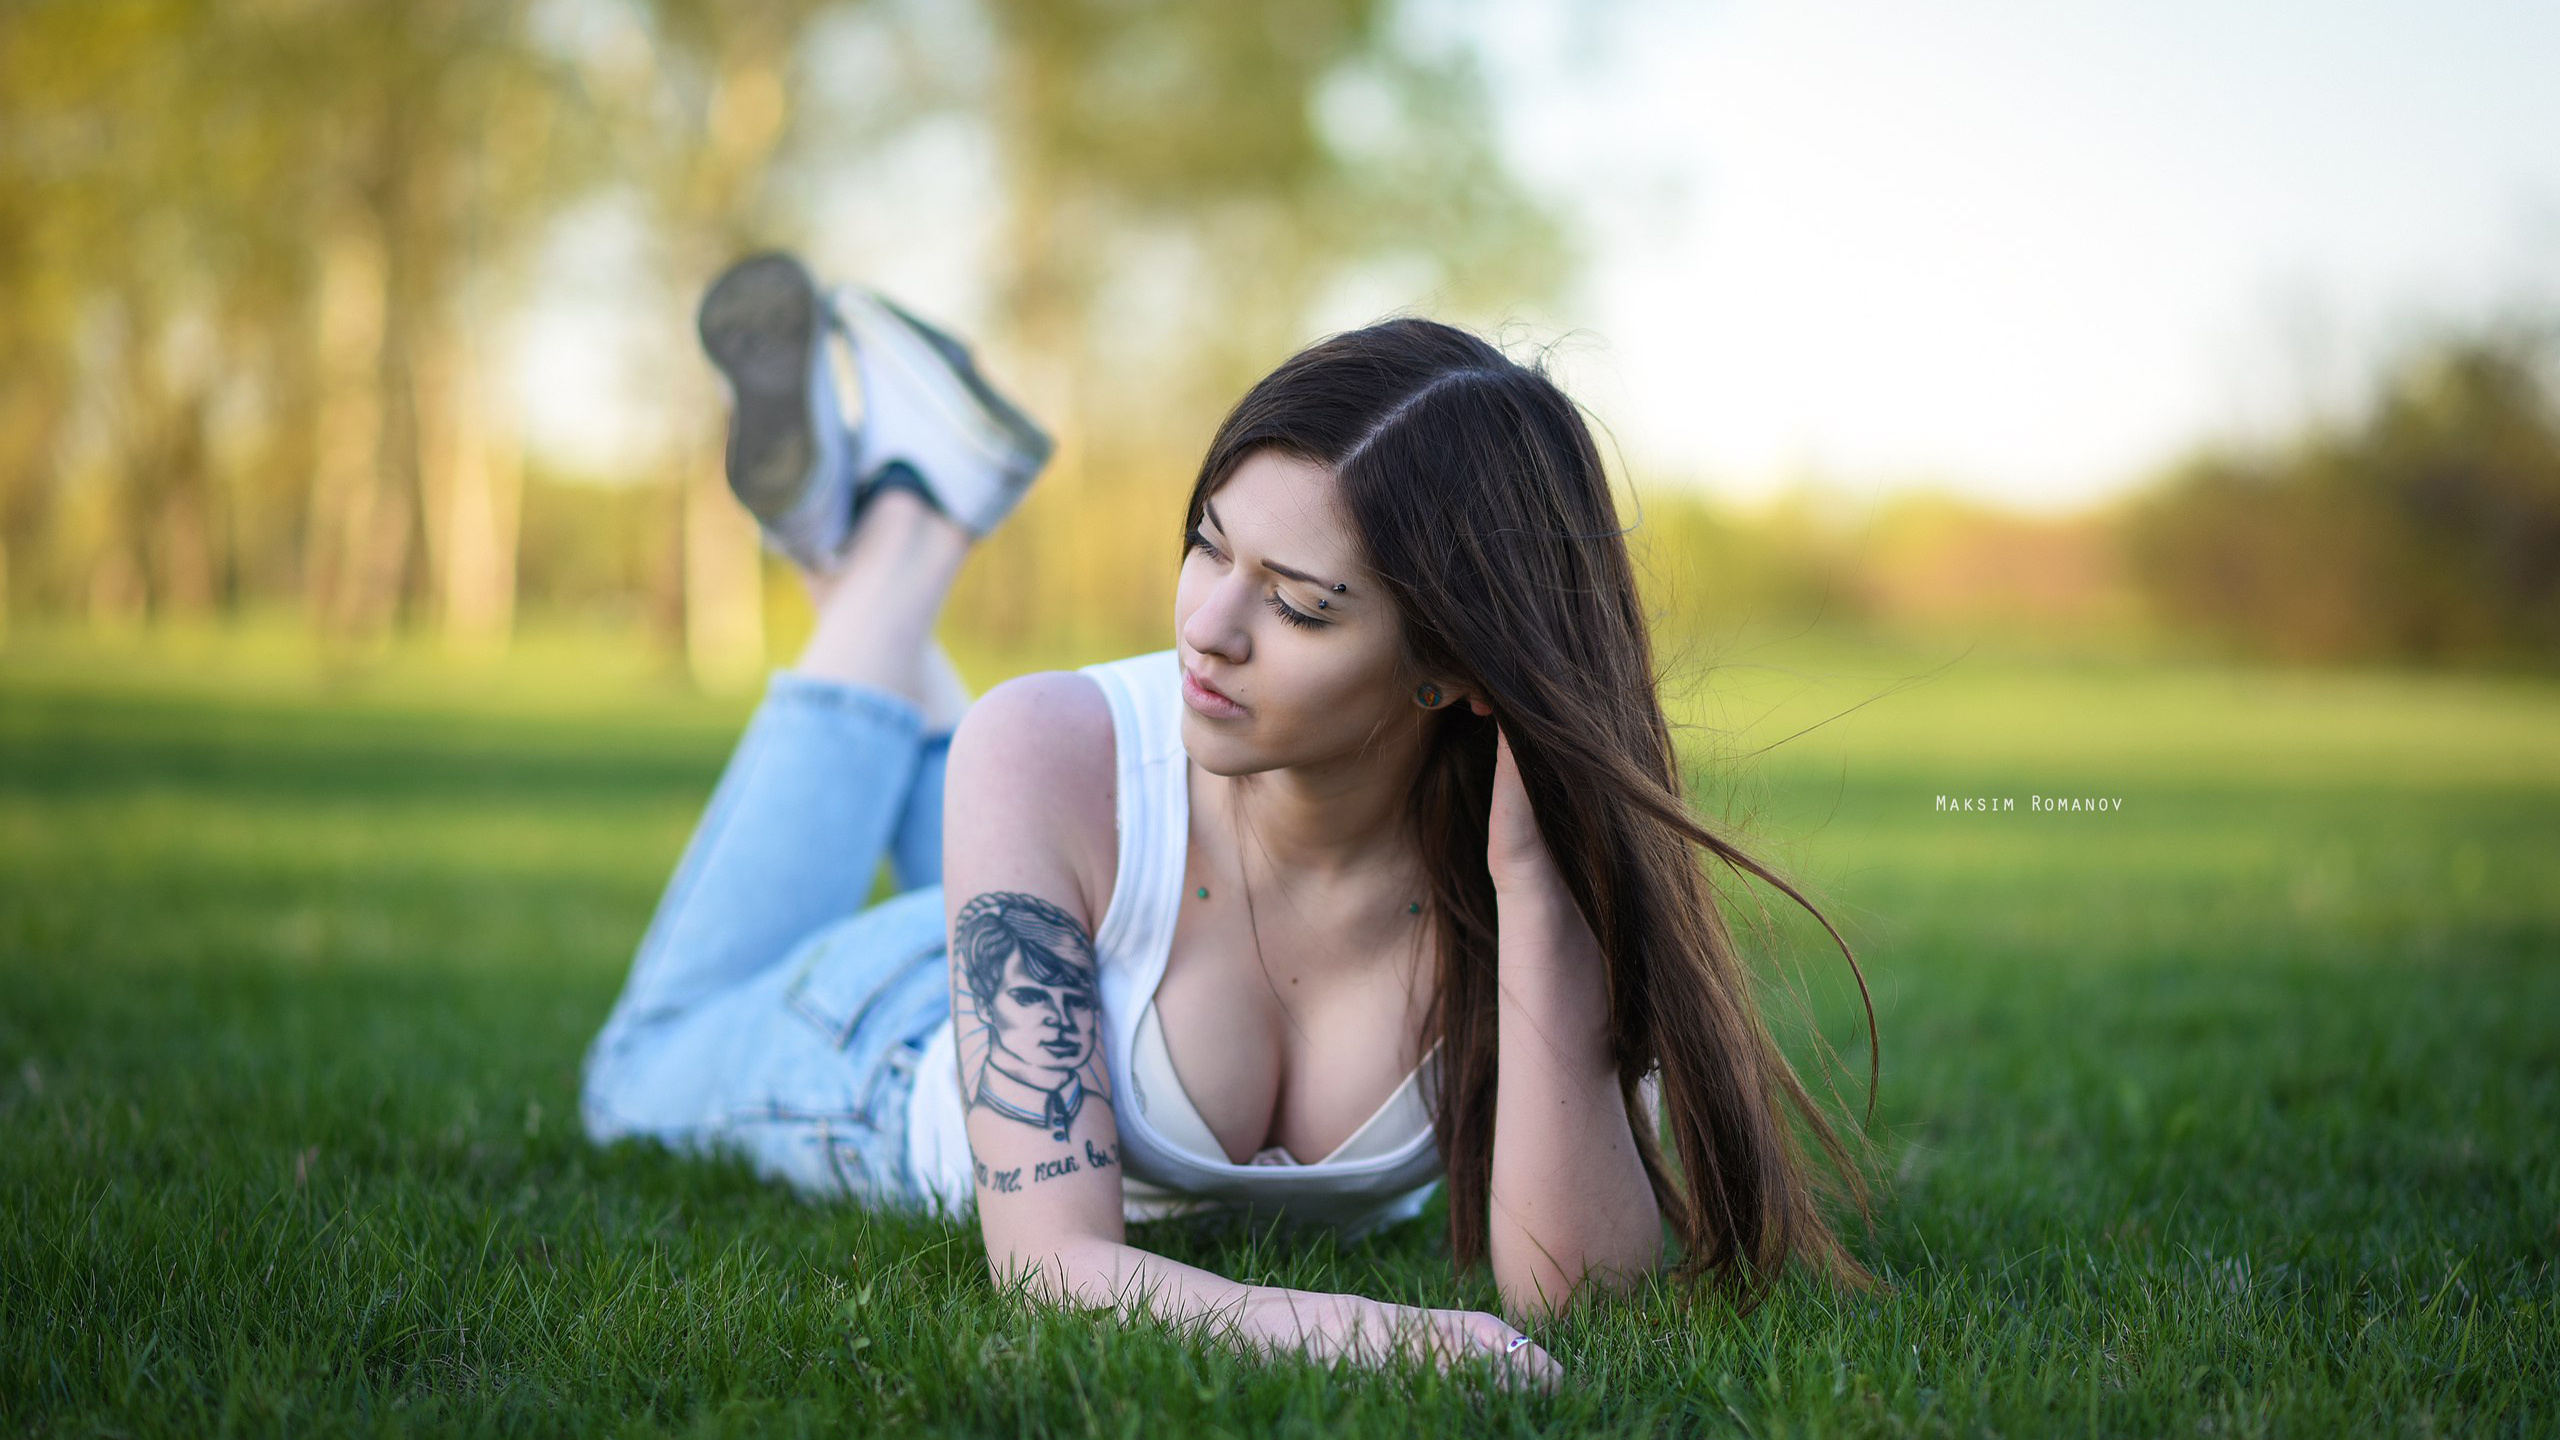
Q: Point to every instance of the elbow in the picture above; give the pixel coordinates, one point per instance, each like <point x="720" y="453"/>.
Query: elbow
<point x="1541" y="1281"/>
<point x="1546" y="1291"/>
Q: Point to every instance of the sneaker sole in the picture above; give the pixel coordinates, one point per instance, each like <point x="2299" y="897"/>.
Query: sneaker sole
<point x="758" y="322"/>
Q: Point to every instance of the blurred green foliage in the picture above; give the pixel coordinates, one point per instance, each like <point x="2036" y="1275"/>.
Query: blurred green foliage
<point x="2426" y="528"/>
<point x="257" y="259"/>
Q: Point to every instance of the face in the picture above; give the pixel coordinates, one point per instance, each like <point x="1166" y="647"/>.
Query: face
<point x="1312" y="670"/>
<point x="1042" y="1031"/>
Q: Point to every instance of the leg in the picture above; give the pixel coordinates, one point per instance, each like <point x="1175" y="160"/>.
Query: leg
<point x="910" y="659"/>
<point x="876" y="614"/>
<point x="813" y="794"/>
<point x="797" y="824"/>
<point x="946" y="695"/>
<point x="915" y="846"/>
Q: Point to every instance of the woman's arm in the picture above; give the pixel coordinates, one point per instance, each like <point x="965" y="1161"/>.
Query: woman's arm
<point x="1268" y="1319"/>
<point x="1026" y="1009"/>
<point x="1570" y="1199"/>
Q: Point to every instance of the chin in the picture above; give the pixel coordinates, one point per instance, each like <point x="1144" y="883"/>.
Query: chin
<point x="1215" y="751"/>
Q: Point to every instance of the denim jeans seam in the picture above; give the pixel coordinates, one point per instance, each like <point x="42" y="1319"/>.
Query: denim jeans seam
<point x="786" y="1112"/>
<point x="891" y="1089"/>
<point x="841" y="1032"/>
<point x="895" y="1082"/>
<point x="858" y="1176"/>
<point x="822" y="693"/>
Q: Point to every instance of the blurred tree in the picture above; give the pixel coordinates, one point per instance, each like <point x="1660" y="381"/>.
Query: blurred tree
<point x="439" y="171"/>
<point x="2463" y="454"/>
<point x="254" y="258"/>
<point x="2426" y="529"/>
<point x="1183" y="185"/>
<point x="247" y="246"/>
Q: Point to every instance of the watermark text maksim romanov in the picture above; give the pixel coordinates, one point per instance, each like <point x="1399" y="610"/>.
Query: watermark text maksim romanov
<point x="2040" y="804"/>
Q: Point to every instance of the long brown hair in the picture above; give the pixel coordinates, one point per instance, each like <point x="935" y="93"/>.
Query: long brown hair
<point x="1475" y="486"/>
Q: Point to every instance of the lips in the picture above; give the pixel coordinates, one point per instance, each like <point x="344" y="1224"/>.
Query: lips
<point x="1061" y="1048"/>
<point x="1207" y="700"/>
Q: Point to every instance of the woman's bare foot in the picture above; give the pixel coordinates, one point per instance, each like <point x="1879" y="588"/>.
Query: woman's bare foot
<point x="876" y="611"/>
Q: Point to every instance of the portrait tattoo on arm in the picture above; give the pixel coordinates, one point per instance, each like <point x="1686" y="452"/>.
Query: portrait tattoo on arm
<point x="1030" y="1012"/>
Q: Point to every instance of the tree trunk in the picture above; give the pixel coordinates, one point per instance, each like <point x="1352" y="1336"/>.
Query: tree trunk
<point x="471" y="486"/>
<point x="723" y="583"/>
<point x="180" y="527"/>
<point x="345" y="478"/>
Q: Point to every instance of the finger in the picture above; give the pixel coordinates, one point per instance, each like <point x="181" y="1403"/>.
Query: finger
<point x="1528" y="1366"/>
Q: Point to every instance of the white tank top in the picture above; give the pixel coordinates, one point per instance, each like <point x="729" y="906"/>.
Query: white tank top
<point x="1171" y="1163"/>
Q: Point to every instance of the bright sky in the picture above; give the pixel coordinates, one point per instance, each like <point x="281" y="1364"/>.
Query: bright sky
<point x="2024" y="251"/>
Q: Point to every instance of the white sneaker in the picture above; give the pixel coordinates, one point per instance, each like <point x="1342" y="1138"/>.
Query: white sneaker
<point x="789" y="458"/>
<point x="924" y="405"/>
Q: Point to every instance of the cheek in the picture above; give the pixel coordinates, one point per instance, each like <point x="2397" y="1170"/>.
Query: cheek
<point x="1333" y="697"/>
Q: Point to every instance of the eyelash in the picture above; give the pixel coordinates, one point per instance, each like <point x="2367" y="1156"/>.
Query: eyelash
<point x="1287" y="612"/>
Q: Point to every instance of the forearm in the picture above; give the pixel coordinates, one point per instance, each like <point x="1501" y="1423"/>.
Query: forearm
<point x="1570" y="1198"/>
<point x="1103" y="1274"/>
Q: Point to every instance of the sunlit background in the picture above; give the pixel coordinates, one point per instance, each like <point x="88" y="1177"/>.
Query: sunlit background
<point x="2218" y="328"/>
<point x="2142" y="416"/>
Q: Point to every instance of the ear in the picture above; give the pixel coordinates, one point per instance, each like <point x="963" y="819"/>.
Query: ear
<point x="1457" y="698"/>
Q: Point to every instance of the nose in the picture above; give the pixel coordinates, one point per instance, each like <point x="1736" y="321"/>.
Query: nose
<point x="1216" y="626"/>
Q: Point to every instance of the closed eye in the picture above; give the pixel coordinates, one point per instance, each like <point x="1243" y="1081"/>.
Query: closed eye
<point x="1289" y="613"/>
<point x="1292" y="613"/>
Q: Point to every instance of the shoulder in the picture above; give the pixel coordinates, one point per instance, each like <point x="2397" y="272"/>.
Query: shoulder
<point x="1048" y="723"/>
<point x="1032" y="768"/>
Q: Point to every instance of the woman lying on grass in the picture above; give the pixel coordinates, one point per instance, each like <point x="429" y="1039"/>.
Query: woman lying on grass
<point x="1379" y="876"/>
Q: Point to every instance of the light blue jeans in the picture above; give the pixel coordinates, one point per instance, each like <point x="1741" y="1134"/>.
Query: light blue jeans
<point x="768" y="1012"/>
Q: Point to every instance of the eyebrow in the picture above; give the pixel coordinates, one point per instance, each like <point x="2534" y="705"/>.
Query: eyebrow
<point x="1275" y="566"/>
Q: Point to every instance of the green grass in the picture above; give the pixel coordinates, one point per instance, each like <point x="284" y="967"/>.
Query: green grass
<point x="2231" y="1112"/>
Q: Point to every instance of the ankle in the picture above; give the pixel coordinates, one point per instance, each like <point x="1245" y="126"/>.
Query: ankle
<point x="899" y="526"/>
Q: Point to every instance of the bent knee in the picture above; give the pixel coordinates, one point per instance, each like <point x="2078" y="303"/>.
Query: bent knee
<point x="623" y="1093"/>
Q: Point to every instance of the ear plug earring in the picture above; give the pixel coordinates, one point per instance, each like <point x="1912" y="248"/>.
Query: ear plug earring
<point x="1428" y="696"/>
